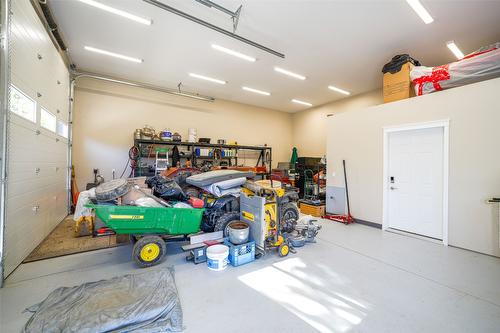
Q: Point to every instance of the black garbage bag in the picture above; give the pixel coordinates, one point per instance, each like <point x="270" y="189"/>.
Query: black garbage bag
<point x="152" y="181"/>
<point x="181" y="176"/>
<point x="169" y="189"/>
<point x="397" y="61"/>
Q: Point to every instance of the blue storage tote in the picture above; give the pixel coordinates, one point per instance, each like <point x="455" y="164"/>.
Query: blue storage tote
<point x="240" y="254"/>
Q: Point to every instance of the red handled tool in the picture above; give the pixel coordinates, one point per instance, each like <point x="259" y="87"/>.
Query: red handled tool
<point x="346" y="219"/>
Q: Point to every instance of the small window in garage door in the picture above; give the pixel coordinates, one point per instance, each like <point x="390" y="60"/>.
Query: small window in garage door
<point x="22" y="105"/>
<point x="62" y="129"/>
<point x="47" y="120"/>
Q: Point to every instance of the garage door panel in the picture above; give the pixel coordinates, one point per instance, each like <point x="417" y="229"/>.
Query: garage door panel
<point x="25" y="62"/>
<point x="61" y="210"/>
<point x="27" y="192"/>
<point x="61" y="93"/>
<point x="22" y="62"/>
<point x="27" y="146"/>
<point x="31" y="225"/>
<point x="28" y="170"/>
<point x="37" y="170"/>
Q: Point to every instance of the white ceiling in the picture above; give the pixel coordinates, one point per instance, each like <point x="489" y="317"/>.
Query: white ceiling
<point x="341" y="43"/>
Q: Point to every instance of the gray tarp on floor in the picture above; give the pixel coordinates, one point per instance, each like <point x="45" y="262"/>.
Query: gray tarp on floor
<point x="146" y="302"/>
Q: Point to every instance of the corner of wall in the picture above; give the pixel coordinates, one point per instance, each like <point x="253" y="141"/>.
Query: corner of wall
<point x="309" y="127"/>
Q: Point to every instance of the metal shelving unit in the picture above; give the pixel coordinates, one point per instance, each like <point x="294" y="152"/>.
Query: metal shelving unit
<point x="145" y="145"/>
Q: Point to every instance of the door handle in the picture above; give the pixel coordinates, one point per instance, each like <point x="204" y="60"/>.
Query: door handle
<point x="393" y="188"/>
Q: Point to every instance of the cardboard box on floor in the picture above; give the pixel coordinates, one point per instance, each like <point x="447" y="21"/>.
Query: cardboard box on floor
<point x="398" y="85"/>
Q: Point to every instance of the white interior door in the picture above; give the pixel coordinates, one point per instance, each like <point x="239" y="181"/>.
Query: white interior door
<point x="415" y="171"/>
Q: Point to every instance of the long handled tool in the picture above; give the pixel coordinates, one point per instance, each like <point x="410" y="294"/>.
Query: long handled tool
<point x="345" y="218"/>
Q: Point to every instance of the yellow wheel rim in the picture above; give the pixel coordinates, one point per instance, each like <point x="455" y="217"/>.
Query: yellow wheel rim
<point x="150" y="252"/>
<point x="284" y="250"/>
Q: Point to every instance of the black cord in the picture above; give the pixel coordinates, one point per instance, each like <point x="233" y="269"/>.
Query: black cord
<point x="126" y="165"/>
<point x="133" y="154"/>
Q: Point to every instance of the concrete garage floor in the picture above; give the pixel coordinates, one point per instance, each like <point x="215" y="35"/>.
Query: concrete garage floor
<point x="355" y="279"/>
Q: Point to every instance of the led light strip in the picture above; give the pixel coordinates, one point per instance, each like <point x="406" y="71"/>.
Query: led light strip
<point x="112" y="54"/>
<point x="301" y="102"/>
<point x="421" y="11"/>
<point x="342" y="91"/>
<point x="455" y="50"/>
<point x="206" y="78"/>
<point x="115" y="11"/>
<point x="257" y="91"/>
<point x="233" y="53"/>
<point x="292" y="74"/>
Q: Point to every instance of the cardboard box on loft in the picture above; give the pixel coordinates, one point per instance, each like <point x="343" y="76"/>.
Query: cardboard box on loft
<point x="398" y="85"/>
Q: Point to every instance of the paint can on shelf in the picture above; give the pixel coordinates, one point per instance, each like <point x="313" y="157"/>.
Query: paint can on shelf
<point x="192" y="135"/>
<point x="166" y="135"/>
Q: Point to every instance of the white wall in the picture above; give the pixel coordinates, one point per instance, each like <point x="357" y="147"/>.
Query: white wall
<point x="474" y="170"/>
<point x="310" y="126"/>
<point x="106" y="115"/>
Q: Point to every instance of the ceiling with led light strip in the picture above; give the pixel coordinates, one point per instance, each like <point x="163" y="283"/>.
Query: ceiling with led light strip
<point x="332" y="48"/>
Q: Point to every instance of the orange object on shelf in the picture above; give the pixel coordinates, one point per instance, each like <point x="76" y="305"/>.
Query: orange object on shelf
<point x="258" y="169"/>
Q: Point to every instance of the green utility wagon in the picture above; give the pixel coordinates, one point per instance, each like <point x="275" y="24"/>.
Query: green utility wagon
<point x="148" y="227"/>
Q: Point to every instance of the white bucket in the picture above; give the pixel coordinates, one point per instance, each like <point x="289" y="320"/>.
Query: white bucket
<point x="192" y="135"/>
<point x="217" y="257"/>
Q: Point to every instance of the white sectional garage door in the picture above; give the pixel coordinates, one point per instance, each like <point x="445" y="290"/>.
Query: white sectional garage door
<point x="37" y="144"/>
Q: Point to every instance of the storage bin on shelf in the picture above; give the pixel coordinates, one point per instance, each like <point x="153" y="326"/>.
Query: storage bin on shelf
<point x="240" y="254"/>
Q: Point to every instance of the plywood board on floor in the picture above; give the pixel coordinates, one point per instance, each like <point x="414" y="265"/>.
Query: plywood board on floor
<point x="62" y="241"/>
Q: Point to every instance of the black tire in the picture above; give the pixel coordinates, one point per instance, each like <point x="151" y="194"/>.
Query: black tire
<point x="224" y="220"/>
<point x="112" y="190"/>
<point x="133" y="239"/>
<point x="289" y="216"/>
<point x="152" y="243"/>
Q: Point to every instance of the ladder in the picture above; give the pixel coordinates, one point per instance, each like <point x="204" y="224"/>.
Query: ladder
<point x="161" y="160"/>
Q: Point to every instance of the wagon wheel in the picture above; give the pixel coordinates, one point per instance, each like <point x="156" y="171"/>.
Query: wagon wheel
<point x="149" y="251"/>
<point x="283" y="250"/>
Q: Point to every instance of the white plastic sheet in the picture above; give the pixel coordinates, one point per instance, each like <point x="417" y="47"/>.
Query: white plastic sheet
<point x="484" y="64"/>
<point x="226" y="187"/>
<point x="83" y="199"/>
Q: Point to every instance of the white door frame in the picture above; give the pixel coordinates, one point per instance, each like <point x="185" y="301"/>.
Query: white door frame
<point x="445" y="124"/>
